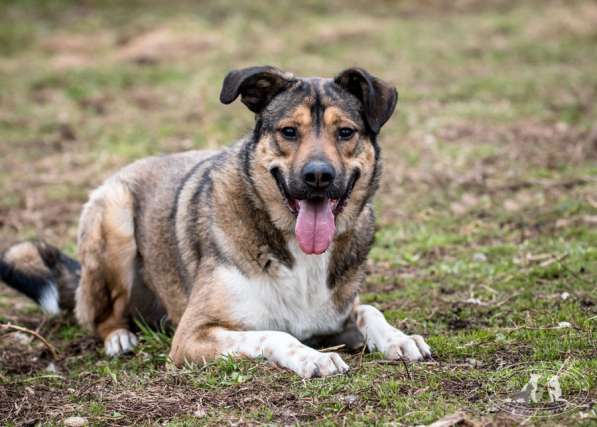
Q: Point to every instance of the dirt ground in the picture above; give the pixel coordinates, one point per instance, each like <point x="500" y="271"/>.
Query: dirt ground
<point x="487" y="213"/>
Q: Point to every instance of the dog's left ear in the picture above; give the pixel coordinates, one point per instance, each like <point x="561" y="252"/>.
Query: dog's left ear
<point x="256" y="86"/>
<point x="378" y="97"/>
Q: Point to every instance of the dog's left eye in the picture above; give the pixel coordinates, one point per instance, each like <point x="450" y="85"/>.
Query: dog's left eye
<point x="289" y="133"/>
<point x="345" y="133"/>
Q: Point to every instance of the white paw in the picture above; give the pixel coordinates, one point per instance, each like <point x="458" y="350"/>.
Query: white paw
<point x="119" y="342"/>
<point x="318" y="364"/>
<point x="398" y="345"/>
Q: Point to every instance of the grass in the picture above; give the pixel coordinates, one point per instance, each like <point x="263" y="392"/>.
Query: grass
<point x="486" y="244"/>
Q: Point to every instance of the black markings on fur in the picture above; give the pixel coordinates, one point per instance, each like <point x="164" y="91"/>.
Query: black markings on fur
<point x="260" y="220"/>
<point x="191" y="230"/>
<point x="329" y="91"/>
<point x="60" y="269"/>
<point x="180" y="264"/>
<point x="138" y="209"/>
<point x="282" y="104"/>
<point x="317" y="110"/>
<point x="348" y="103"/>
<point x="28" y="284"/>
<point x="202" y="197"/>
<point x="375" y="175"/>
<point x="183" y="183"/>
<point x="247" y="150"/>
<point x="351" y="253"/>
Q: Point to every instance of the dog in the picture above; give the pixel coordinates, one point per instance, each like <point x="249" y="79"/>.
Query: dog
<point x="257" y="250"/>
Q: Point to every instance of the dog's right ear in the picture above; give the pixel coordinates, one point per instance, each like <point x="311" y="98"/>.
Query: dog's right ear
<point x="256" y="86"/>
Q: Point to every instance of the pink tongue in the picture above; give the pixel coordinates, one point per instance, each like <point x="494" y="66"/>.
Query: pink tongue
<point x="315" y="226"/>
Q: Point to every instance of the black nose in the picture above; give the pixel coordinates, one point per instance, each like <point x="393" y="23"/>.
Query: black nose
<point x="318" y="175"/>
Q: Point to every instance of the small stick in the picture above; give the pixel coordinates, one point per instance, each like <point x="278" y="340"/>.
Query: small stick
<point x="410" y="376"/>
<point x="361" y="354"/>
<point x="383" y="362"/>
<point x="334" y="348"/>
<point x="49" y="346"/>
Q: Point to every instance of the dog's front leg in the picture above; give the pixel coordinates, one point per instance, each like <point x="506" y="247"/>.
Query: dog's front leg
<point x="381" y="336"/>
<point x="278" y="347"/>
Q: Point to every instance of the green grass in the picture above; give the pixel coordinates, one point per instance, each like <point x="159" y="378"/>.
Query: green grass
<point x="486" y="241"/>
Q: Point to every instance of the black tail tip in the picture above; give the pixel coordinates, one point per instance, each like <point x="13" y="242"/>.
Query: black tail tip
<point x="41" y="272"/>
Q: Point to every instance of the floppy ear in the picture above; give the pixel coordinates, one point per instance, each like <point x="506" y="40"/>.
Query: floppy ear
<point x="256" y="86"/>
<point x="378" y="97"/>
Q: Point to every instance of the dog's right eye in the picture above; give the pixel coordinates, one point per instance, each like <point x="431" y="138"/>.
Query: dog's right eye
<point x="289" y="133"/>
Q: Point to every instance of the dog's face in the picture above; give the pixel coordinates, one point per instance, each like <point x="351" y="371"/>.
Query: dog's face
<point x="313" y="159"/>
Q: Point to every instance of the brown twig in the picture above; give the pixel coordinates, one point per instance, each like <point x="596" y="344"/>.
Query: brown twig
<point x="334" y="348"/>
<point x="410" y="376"/>
<point x="49" y="346"/>
<point x="361" y="354"/>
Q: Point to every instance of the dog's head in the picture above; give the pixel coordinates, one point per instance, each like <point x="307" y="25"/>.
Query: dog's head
<point x="313" y="158"/>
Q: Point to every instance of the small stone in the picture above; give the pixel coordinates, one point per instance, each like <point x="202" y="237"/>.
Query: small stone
<point x="429" y="139"/>
<point x="21" y="338"/>
<point x="350" y="399"/>
<point x="75" y="422"/>
<point x="476" y="301"/>
<point x="474" y="363"/>
<point x="479" y="257"/>
<point x="52" y="368"/>
<point x="563" y="325"/>
<point x="200" y="412"/>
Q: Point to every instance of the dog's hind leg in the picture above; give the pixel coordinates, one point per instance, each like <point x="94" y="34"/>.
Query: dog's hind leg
<point x="108" y="251"/>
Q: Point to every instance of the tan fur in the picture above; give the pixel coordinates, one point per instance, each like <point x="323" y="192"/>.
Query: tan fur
<point x="107" y="249"/>
<point x="194" y="340"/>
<point x="27" y="255"/>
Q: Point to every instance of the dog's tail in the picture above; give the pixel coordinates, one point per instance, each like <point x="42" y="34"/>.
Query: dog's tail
<point x="43" y="273"/>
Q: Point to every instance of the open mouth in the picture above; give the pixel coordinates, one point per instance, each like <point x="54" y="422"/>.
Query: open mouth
<point x="315" y="216"/>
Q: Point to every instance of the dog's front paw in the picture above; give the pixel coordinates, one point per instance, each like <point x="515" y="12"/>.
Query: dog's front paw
<point x="322" y="365"/>
<point x="309" y="363"/>
<point x="398" y="345"/>
<point x="119" y="342"/>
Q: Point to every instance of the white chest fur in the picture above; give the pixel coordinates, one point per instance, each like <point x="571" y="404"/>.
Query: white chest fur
<point x="297" y="301"/>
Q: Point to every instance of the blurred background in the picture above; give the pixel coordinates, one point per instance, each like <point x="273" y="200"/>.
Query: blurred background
<point x="489" y="91"/>
<point x="488" y="207"/>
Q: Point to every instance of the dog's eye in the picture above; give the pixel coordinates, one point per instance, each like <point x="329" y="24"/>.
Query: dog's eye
<point x="345" y="133"/>
<point x="289" y="133"/>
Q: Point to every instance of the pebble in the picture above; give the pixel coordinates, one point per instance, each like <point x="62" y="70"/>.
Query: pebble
<point x="75" y="422"/>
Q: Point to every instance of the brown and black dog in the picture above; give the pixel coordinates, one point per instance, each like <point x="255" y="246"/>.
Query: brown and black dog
<point x="254" y="250"/>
